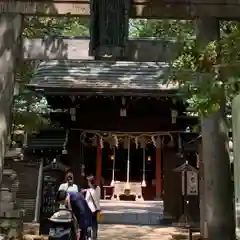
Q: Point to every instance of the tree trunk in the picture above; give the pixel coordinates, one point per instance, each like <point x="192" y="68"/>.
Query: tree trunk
<point x="10" y="31"/>
<point x="218" y="195"/>
<point x="236" y="152"/>
<point x="217" y="179"/>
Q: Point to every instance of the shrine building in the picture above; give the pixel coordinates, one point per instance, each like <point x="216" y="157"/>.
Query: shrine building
<point x="119" y="121"/>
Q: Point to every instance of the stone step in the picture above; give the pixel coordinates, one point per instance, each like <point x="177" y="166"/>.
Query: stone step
<point x="132" y="212"/>
<point x="184" y="235"/>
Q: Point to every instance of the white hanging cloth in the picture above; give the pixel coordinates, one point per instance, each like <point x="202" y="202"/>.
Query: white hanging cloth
<point x="128" y="166"/>
<point x="113" y="168"/>
<point x="144" y="168"/>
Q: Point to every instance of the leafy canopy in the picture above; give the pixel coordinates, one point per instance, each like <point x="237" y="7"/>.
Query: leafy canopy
<point x="196" y="69"/>
<point x="30" y="111"/>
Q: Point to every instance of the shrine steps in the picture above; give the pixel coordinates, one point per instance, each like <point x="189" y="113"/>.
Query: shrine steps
<point x="132" y="212"/>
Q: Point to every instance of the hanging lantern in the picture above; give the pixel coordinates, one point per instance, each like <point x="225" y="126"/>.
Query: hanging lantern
<point x="149" y="158"/>
<point x="112" y="157"/>
<point x="174" y="115"/>
<point x="73" y="114"/>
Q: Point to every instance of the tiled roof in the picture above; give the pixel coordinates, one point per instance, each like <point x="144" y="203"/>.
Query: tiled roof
<point x="47" y="139"/>
<point x="89" y="74"/>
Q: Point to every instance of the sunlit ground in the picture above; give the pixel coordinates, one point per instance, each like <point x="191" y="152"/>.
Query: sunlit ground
<point x="125" y="232"/>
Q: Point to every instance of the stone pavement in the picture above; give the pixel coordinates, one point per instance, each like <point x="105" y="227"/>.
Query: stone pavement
<point x="132" y="212"/>
<point x="133" y="232"/>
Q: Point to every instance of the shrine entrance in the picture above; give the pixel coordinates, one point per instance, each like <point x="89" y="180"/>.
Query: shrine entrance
<point x="126" y="164"/>
<point x="141" y="168"/>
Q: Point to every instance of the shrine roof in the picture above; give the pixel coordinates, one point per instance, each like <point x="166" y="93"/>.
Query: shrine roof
<point x="47" y="140"/>
<point x="101" y="75"/>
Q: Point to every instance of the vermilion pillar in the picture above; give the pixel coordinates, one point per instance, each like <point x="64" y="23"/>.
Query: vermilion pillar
<point x="99" y="164"/>
<point x="158" y="171"/>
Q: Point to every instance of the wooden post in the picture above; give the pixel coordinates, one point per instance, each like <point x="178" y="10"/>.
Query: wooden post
<point x="158" y="171"/>
<point x="99" y="164"/>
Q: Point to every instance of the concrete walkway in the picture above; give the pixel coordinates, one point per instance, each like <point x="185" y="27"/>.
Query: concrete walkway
<point x="130" y="232"/>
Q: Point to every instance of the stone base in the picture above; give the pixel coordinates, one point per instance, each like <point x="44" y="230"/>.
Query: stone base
<point x="31" y="228"/>
<point x="184" y="235"/>
<point x="34" y="237"/>
<point x="11" y="226"/>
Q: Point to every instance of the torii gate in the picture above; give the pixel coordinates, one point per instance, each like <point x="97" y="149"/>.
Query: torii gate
<point x="12" y="49"/>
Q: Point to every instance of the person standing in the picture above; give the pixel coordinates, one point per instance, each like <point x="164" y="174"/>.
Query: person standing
<point x="93" y="195"/>
<point x="69" y="185"/>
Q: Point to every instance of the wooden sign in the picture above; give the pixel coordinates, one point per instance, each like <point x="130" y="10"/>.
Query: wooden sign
<point x="192" y="183"/>
<point x="53" y="175"/>
<point x="50" y="188"/>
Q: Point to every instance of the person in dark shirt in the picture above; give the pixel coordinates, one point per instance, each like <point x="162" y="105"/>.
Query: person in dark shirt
<point x="76" y="202"/>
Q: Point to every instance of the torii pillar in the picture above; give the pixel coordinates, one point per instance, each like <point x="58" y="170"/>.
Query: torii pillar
<point x="236" y="152"/>
<point x="10" y="33"/>
<point x="219" y="214"/>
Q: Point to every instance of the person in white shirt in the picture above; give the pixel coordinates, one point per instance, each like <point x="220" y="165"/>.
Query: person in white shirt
<point x="93" y="195"/>
<point x="68" y="186"/>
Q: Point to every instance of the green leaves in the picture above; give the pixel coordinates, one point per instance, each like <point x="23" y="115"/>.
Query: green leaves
<point x="195" y="68"/>
<point x="30" y="112"/>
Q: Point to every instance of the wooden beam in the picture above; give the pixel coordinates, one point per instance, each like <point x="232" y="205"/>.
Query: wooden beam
<point x="158" y="173"/>
<point x="182" y="9"/>
<point x="67" y="48"/>
<point x="99" y="164"/>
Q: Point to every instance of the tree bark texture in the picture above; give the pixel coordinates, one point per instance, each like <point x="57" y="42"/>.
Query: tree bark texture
<point x="10" y="31"/>
<point x="218" y="195"/>
<point x="236" y="152"/>
<point x="219" y="209"/>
